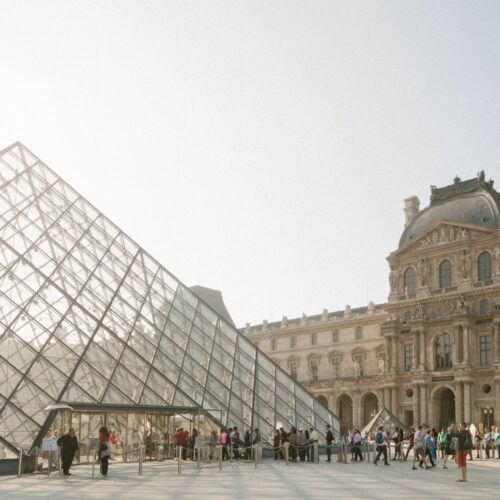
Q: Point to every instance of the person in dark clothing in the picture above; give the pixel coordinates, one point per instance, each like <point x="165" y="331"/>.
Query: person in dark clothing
<point x="462" y="451"/>
<point x="308" y="449"/>
<point x="410" y="446"/>
<point x="329" y="441"/>
<point x="69" y="446"/>
<point x="248" y="445"/>
<point x="276" y="444"/>
<point x="104" y="450"/>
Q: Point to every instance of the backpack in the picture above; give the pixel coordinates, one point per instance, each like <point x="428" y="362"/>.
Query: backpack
<point x="379" y="438"/>
<point x="418" y="442"/>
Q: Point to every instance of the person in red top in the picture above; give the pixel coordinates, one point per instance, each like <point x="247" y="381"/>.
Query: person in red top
<point x="104" y="449"/>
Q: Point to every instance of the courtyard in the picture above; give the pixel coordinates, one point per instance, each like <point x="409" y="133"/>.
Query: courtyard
<point x="270" y="480"/>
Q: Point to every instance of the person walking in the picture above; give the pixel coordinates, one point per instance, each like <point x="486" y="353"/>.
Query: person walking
<point x="396" y="437"/>
<point x="477" y="442"/>
<point x="411" y="444"/>
<point x="69" y="446"/>
<point x="419" y="449"/>
<point x="441" y="442"/>
<point x="488" y="442"/>
<point x="329" y="441"/>
<point x="223" y="441"/>
<point x="293" y="444"/>
<point x="428" y="446"/>
<point x="382" y="441"/>
<point x="497" y="441"/>
<point x="104" y="450"/>
<point x="463" y="443"/>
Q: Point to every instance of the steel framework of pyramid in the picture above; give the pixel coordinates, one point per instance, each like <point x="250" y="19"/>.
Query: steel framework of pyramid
<point x="385" y="418"/>
<point x="87" y="316"/>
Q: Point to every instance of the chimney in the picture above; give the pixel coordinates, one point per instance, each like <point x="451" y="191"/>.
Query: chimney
<point x="412" y="205"/>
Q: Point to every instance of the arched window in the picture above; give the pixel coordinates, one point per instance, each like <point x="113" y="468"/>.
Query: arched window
<point x="484" y="266"/>
<point x="410" y="282"/>
<point x="443" y="352"/>
<point x="407" y="316"/>
<point x="484" y="307"/>
<point x="445" y="274"/>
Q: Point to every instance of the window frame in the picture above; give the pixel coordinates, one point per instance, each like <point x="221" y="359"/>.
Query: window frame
<point x="358" y="334"/>
<point x="484" y="266"/>
<point x="408" y="281"/>
<point x="445" y="275"/>
<point x="488" y="352"/>
<point x="444" y="359"/>
<point x="314" y="338"/>
<point x="408" y="356"/>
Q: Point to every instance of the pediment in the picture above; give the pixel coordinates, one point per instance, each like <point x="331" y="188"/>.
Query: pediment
<point x="443" y="233"/>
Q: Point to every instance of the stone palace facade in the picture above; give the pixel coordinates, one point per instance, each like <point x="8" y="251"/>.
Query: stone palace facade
<point x="431" y="354"/>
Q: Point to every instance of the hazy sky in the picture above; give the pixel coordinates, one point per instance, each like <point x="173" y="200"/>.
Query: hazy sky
<point x="262" y="148"/>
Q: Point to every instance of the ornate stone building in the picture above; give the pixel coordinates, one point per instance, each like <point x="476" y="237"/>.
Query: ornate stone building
<point x="431" y="354"/>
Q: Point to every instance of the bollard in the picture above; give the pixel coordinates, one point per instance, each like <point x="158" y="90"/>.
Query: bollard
<point x="20" y="462"/>
<point x="125" y="452"/>
<point x="315" y="453"/>
<point x="59" y="461"/>
<point x="179" y="459"/>
<point x="220" y="457"/>
<point x="199" y="457"/>
<point x="93" y="464"/>
<point x="140" y="459"/>
<point x="286" y="452"/>
<point x="256" y="455"/>
<point x="49" y="463"/>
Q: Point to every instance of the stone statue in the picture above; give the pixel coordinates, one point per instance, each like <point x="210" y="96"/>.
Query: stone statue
<point x="496" y="254"/>
<point x="381" y="365"/>
<point x="423" y="271"/>
<point x="462" y="305"/>
<point x="419" y="311"/>
<point x="357" y="369"/>
<point x="394" y="279"/>
<point x="465" y="264"/>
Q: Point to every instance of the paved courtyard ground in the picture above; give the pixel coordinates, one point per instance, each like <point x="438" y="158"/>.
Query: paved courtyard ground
<point x="271" y="480"/>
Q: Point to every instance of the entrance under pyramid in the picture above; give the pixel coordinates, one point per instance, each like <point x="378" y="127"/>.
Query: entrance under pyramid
<point x="94" y="331"/>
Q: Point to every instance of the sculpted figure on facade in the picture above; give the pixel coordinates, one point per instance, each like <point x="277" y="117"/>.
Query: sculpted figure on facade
<point x="423" y="271"/>
<point x="394" y="279"/>
<point x="381" y="365"/>
<point x="357" y="369"/>
<point x="465" y="264"/>
<point x="496" y="254"/>
<point x="419" y="311"/>
<point x="462" y="305"/>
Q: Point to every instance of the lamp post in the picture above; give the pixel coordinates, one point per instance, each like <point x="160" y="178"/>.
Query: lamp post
<point x="488" y="412"/>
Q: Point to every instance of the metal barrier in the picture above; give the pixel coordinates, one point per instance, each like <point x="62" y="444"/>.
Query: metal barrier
<point x="286" y="452"/>
<point x="315" y="453"/>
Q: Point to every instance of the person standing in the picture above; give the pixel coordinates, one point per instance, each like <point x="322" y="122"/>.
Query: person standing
<point x="357" y="446"/>
<point x="276" y="444"/>
<point x="223" y="442"/>
<point x="313" y="438"/>
<point x="463" y="437"/>
<point x="69" y="446"/>
<point x="382" y="441"/>
<point x="441" y="442"/>
<point x="302" y="443"/>
<point x="104" y="450"/>
<point x="488" y="446"/>
<point x="448" y="447"/>
<point x="293" y="444"/>
<point x="497" y="441"/>
<point x="329" y="441"/>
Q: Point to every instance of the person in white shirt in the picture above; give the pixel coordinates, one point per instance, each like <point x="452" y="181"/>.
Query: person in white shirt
<point x="313" y="438"/>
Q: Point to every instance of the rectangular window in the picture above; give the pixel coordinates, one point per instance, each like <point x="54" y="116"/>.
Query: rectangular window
<point x="485" y="349"/>
<point x="335" y="336"/>
<point x="359" y="333"/>
<point x="274" y="345"/>
<point x="336" y="368"/>
<point x="408" y="357"/>
<point x="359" y="359"/>
<point x="293" y="370"/>
<point x="314" y="339"/>
<point x="293" y="341"/>
<point x="314" y="369"/>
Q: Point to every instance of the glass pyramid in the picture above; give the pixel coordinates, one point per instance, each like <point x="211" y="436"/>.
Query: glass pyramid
<point x="88" y="316"/>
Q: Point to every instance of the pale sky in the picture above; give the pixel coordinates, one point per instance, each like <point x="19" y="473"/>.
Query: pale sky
<point x="262" y="148"/>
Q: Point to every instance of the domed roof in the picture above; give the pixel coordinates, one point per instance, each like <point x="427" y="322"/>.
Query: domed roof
<point x="470" y="202"/>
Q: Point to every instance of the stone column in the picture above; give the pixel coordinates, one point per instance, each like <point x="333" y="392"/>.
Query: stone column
<point x="388" y="355"/>
<point x="356" y="409"/>
<point x="467" y="401"/>
<point x="394" y="352"/>
<point x="387" y="397"/>
<point x="459" y="415"/>
<point x="423" y="403"/>
<point x="416" y="404"/>
<point x="414" y="334"/>
<point x="454" y="347"/>
<point x="497" y="397"/>
<point x="394" y="401"/>
<point x="496" y="343"/>
<point x="422" y="363"/>
<point x="466" y="344"/>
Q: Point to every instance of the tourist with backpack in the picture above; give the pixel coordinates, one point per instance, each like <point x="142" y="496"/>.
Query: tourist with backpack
<point x="419" y="449"/>
<point x="382" y="441"/>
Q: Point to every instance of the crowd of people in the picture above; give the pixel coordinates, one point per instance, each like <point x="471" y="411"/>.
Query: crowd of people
<point x="456" y="443"/>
